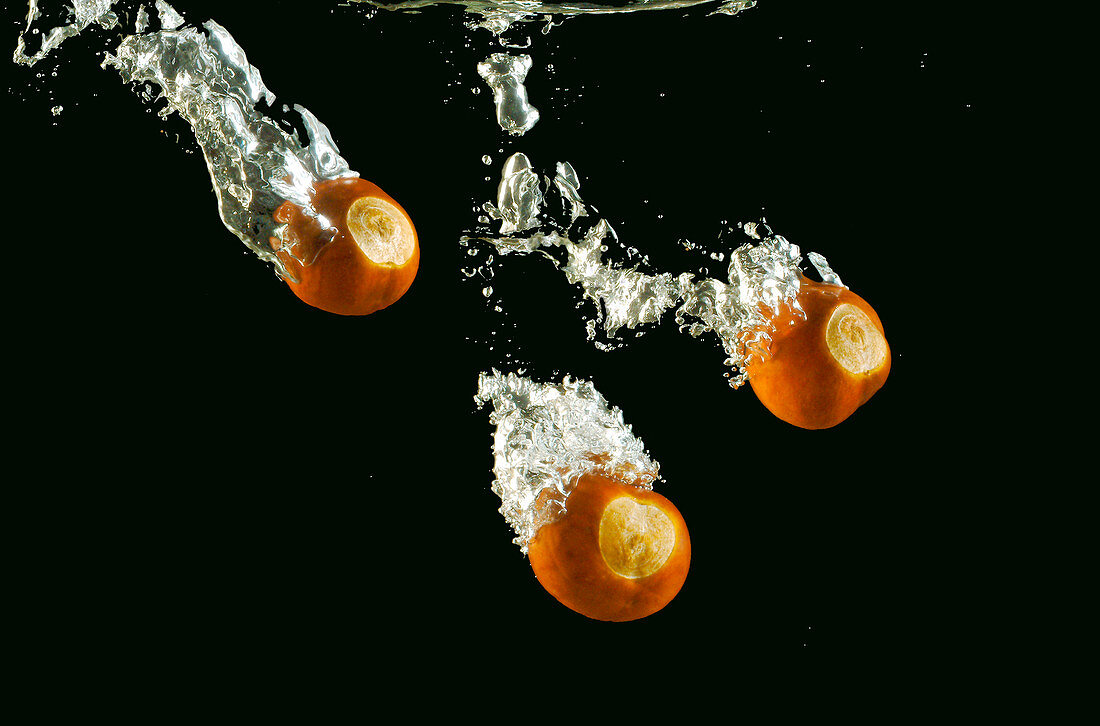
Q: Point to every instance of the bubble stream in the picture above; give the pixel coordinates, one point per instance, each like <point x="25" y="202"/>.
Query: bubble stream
<point x="762" y="277"/>
<point x="549" y="435"/>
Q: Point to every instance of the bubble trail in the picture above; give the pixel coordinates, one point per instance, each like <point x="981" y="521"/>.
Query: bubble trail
<point x="204" y="76"/>
<point x="547" y="437"/>
<point x="761" y="278"/>
<point x="254" y="164"/>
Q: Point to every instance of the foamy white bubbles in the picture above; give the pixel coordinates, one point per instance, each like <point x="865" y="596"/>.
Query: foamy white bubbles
<point x="762" y="277"/>
<point x="203" y="75"/>
<point x="254" y="163"/>
<point x="546" y="437"/>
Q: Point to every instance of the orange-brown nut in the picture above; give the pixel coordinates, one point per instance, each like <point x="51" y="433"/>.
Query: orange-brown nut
<point x="360" y="251"/>
<point x="821" y="369"/>
<point x="619" y="553"/>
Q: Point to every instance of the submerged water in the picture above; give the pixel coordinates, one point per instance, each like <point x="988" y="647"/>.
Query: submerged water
<point x="256" y="163"/>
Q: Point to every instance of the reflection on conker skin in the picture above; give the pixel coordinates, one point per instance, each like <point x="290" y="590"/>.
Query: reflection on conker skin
<point x="618" y="553"/>
<point x="821" y="369"/>
<point x="360" y="251"/>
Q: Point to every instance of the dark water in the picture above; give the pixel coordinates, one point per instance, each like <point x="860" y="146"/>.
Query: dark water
<point x="266" y="466"/>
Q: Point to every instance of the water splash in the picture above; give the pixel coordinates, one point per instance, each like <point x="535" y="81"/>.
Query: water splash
<point x="141" y="21"/>
<point x="762" y="277"/>
<point x="826" y="273"/>
<point x="81" y="14"/>
<point x="497" y="16"/>
<point x="169" y="18"/>
<point x="505" y="75"/>
<point x="548" y="436"/>
<point x="519" y="197"/>
<point x="255" y="162"/>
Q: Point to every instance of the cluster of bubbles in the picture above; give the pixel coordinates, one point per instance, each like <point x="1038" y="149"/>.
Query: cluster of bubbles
<point x="202" y="74"/>
<point x="763" y="276"/>
<point x="548" y="436"/>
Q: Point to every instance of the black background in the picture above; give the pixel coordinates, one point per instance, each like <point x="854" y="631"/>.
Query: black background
<point x="251" y="473"/>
